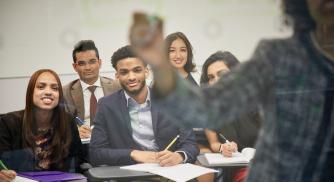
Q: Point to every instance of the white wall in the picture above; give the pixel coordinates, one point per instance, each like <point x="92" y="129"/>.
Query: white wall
<point x="38" y="34"/>
<point x="14" y="89"/>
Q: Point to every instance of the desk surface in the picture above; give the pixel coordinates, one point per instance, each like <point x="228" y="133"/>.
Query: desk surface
<point x="201" y="159"/>
<point x="116" y="173"/>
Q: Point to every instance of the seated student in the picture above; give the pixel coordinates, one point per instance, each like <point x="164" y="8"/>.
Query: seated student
<point x="81" y="95"/>
<point x="179" y="51"/>
<point x="242" y="133"/>
<point x="129" y="128"/>
<point x="42" y="136"/>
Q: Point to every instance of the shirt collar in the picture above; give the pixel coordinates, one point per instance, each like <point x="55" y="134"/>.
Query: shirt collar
<point x="130" y="99"/>
<point x="85" y="85"/>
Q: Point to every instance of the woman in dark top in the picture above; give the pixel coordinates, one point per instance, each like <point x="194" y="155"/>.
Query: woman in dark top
<point x="180" y="54"/>
<point x="242" y="133"/>
<point x="42" y="136"/>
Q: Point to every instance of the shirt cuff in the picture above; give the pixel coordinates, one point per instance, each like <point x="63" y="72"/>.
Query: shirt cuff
<point x="184" y="154"/>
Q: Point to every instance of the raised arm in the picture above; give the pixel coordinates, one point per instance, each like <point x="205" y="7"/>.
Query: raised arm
<point x="245" y="87"/>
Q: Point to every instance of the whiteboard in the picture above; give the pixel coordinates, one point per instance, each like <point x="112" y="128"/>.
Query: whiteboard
<point x="39" y="34"/>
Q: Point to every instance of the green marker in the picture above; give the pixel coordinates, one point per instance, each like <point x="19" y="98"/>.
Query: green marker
<point x="2" y="165"/>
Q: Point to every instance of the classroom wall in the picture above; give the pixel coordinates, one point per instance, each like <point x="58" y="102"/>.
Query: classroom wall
<point x="38" y="34"/>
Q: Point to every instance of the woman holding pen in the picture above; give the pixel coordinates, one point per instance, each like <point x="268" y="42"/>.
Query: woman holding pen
<point x="243" y="132"/>
<point x="42" y="136"/>
<point x="233" y="136"/>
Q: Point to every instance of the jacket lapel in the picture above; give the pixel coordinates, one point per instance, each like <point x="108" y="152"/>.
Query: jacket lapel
<point x="125" y="116"/>
<point x="154" y="113"/>
<point x="78" y="101"/>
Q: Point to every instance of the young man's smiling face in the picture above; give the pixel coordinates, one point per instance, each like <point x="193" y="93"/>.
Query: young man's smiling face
<point x="132" y="74"/>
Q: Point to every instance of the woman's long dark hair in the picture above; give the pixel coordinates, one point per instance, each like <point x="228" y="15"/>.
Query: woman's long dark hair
<point x="61" y="138"/>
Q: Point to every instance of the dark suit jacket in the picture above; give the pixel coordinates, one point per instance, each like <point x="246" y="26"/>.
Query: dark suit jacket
<point x="19" y="158"/>
<point x="111" y="142"/>
<point x="191" y="80"/>
<point x="73" y="94"/>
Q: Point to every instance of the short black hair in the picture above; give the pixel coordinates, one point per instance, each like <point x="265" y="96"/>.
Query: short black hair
<point x="226" y="57"/>
<point x="84" y="45"/>
<point x="122" y="53"/>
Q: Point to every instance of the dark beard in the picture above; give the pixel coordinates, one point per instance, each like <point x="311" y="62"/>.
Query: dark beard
<point x="134" y="92"/>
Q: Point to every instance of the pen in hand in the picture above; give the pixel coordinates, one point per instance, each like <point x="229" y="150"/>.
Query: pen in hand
<point x="223" y="137"/>
<point x="79" y="121"/>
<point x="227" y="141"/>
<point x="232" y="147"/>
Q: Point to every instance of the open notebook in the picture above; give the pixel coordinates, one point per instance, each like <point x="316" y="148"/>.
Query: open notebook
<point x="178" y="173"/>
<point x="239" y="157"/>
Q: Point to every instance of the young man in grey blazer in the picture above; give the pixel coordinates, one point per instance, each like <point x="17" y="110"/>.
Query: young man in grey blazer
<point x="82" y="94"/>
<point x="130" y="129"/>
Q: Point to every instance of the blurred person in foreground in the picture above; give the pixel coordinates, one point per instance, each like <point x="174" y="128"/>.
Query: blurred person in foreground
<point x="291" y="79"/>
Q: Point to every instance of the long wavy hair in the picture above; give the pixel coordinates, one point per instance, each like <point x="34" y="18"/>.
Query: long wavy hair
<point x="189" y="66"/>
<point x="226" y="57"/>
<point x="61" y="138"/>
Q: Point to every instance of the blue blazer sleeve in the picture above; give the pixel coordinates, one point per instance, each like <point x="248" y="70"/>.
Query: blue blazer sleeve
<point x="188" y="145"/>
<point x="102" y="148"/>
<point x="168" y="129"/>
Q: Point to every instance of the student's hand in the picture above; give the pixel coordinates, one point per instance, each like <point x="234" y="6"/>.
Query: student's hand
<point x="84" y="131"/>
<point x="168" y="158"/>
<point x="147" y="40"/>
<point x="146" y="37"/>
<point x="144" y="156"/>
<point x="7" y="175"/>
<point x="229" y="148"/>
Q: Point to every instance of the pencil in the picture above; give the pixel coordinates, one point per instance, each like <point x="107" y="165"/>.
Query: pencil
<point x="172" y="142"/>
<point x="2" y="165"/>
